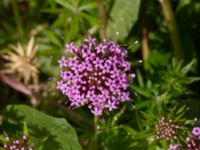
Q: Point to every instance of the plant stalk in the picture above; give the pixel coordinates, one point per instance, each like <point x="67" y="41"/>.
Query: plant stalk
<point x="145" y="40"/>
<point x="96" y="124"/>
<point x="169" y="17"/>
<point x="102" y="17"/>
<point x="17" y="17"/>
<point x="95" y="138"/>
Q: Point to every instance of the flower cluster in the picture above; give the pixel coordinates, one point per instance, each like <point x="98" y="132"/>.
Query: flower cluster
<point x="193" y="143"/>
<point x="95" y="74"/>
<point x="19" y="144"/>
<point x="166" y="129"/>
<point x="174" y="147"/>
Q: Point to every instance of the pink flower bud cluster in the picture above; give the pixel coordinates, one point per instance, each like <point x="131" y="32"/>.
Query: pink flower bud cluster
<point x="19" y="144"/>
<point x="95" y="75"/>
<point x="174" y="147"/>
<point x="193" y="143"/>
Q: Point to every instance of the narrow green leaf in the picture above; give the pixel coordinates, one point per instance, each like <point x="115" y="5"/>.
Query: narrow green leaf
<point x="188" y="67"/>
<point x="74" y="28"/>
<point x="140" y="79"/>
<point x="60" y="21"/>
<point x="65" y="4"/>
<point x="52" y="10"/>
<point x="88" y="6"/>
<point x="141" y="91"/>
<point x="91" y="19"/>
<point x="53" y="38"/>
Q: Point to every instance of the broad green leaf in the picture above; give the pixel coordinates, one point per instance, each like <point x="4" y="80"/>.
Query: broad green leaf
<point x="123" y="16"/>
<point x="46" y="132"/>
<point x="183" y="3"/>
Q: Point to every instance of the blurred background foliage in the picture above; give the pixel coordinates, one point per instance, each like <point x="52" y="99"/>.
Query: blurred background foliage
<point x="162" y="39"/>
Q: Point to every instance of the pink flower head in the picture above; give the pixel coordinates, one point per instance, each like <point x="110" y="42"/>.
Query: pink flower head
<point x="193" y="143"/>
<point x="196" y="131"/>
<point x="95" y="75"/>
<point x="174" y="147"/>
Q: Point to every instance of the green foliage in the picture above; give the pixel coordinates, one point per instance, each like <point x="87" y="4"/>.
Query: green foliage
<point x="46" y="132"/>
<point x="163" y="86"/>
<point x="176" y="80"/>
<point x="177" y="114"/>
<point x="74" y="17"/>
<point x="166" y="85"/>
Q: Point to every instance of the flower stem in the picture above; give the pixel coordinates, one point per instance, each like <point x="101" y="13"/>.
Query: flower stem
<point x="96" y="124"/>
<point x="94" y="142"/>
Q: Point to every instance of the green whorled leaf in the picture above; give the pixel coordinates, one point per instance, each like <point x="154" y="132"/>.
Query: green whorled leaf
<point x="46" y="132"/>
<point x="47" y="66"/>
<point x="158" y="58"/>
<point x="91" y="19"/>
<point x="144" y="104"/>
<point x="65" y="4"/>
<point x="140" y="79"/>
<point x="130" y="130"/>
<point x="53" y="38"/>
<point x="123" y="16"/>
<point x="141" y="91"/>
<point x="74" y="27"/>
<point x="52" y="10"/>
<point x="180" y="110"/>
<point x="88" y="6"/>
<point x="189" y="80"/>
<point x="188" y="67"/>
<point x="59" y="21"/>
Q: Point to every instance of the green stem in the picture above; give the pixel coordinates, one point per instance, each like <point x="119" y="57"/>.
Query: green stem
<point x="164" y="145"/>
<point x="17" y="17"/>
<point x="96" y="124"/>
<point x="169" y="17"/>
<point x="94" y="143"/>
